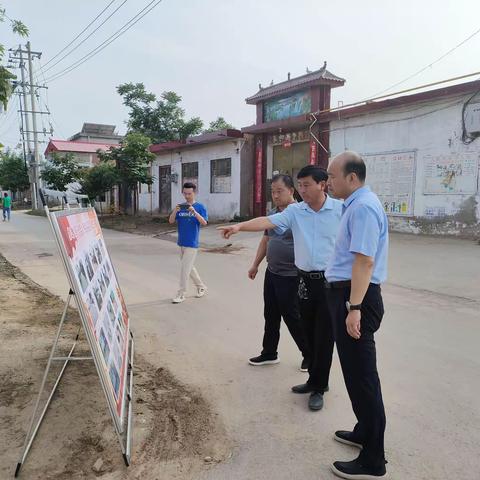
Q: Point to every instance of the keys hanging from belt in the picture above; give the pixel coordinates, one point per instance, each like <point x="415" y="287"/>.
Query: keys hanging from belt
<point x="302" y="290"/>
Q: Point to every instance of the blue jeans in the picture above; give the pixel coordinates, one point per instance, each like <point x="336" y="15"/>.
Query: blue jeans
<point x="6" y="213"/>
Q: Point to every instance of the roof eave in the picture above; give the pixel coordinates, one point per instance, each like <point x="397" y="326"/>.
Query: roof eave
<point x="198" y="140"/>
<point x="260" y="96"/>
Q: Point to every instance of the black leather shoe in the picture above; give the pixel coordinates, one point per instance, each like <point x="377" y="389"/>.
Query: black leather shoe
<point x="306" y="388"/>
<point x="355" y="470"/>
<point x="302" y="388"/>
<point x="348" y="438"/>
<point x="315" y="402"/>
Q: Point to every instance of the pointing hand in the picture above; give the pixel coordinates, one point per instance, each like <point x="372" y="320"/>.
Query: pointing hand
<point x="227" y="232"/>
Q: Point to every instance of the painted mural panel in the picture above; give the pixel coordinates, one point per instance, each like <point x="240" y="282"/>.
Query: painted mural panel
<point x="280" y="108"/>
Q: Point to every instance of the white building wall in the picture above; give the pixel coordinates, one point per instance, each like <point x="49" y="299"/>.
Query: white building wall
<point x="220" y="206"/>
<point x="431" y="130"/>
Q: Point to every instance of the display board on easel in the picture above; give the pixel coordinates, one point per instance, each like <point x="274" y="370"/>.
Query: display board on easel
<point x="104" y="318"/>
<point x="103" y="308"/>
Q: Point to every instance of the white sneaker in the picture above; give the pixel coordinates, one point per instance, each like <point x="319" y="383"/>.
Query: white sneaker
<point x="201" y="291"/>
<point x="179" y="298"/>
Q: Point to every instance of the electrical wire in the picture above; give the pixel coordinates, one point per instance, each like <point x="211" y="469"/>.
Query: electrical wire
<point x="396" y="120"/>
<point x="8" y="113"/>
<point x="467" y="139"/>
<point x="8" y="116"/>
<point x="22" y="131"/>
<point x="149" y="7"/>
<point x="6" y="130"/>
<point x="80" y="34"/>
<point x="46" y="103"/>
<point x="429" y="65"/>
<point x="408" y="90"/>
<point x="88" y="36"/>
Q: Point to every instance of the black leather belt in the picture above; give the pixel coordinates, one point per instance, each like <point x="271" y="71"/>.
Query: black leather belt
<point x="339" y="284"/>
<point x="312" y="275"/>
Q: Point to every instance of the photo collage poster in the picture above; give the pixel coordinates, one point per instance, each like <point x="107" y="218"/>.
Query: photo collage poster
<point x="100" y="294"/>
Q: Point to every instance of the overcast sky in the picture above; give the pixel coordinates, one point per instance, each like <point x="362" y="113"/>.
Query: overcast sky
<point x="214" y="53"/>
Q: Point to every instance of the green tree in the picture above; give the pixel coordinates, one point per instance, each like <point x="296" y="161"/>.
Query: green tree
<point x="219" y="124"/>
<point x="61" y="171"/>
<point x="6" y="76"/>
<point x="132" y="160"/>
<point x="98" y="180"/>
<point x="13" y="172"/>
<point x="162" y="120"/>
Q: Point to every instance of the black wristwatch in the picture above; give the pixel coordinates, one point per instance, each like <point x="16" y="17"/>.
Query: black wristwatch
<point x="351" y="307"/>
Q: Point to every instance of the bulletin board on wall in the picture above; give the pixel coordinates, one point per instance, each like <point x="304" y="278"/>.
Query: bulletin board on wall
<point x="391" y="175"/>
<point x="451" y="173"/>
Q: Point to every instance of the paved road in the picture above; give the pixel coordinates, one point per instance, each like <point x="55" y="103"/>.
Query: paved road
<point x="428" y="352"/>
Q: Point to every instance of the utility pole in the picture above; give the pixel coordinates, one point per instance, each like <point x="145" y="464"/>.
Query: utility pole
<point x="24" y="149"/>
<point x="36" y="153"/>
<point x="33" y="153"/>
<point x="25" y="103"/>
<point x="33" y="186"/>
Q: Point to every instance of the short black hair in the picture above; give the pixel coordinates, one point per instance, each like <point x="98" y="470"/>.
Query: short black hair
<point x="286" y="179"/>
<point x="319" y="174"/>
<point x="189" y="185"/>
<point x="357" y="166"/>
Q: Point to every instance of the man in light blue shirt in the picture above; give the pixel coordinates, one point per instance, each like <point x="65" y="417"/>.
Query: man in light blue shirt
<point x="314" y="224"/>
<point x="354" y="274"/>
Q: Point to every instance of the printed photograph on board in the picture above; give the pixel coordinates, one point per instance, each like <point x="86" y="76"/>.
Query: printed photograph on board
<point x="92" y="308"/>
<point x="115" y="379"/>
<point x="81" y="275"/>
<point x="104" y="345"/>
<point x="89" y="267"/>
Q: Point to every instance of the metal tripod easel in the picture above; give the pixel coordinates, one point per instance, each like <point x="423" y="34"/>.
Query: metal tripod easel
<point x="124" y="434"/>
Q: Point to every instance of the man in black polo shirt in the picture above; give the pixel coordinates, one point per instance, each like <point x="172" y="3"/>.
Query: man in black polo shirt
<point x="280" y="290"/>
<point x="314" y="224"/>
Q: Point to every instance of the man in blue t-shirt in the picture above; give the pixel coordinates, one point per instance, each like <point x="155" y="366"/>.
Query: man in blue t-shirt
<point x="189" y="216"/>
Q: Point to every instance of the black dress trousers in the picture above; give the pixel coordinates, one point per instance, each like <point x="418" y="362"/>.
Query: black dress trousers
<point x="359" y="365"/>
<point x="317" y="325"/>
<point x="280" y="294"/>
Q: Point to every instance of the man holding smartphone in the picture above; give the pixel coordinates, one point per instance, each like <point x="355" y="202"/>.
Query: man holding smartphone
<point x="189" y="217"/>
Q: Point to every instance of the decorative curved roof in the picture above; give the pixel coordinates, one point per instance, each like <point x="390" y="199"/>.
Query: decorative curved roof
<point x="319" y="77"/>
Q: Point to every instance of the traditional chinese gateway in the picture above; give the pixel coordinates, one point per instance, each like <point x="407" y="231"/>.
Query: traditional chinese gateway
<point x="286" y="136"/>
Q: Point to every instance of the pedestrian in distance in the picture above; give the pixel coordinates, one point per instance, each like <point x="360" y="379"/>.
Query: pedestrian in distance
<point x="189" y="216"/>
<point x="314" y="224"/>
<point x="354" y="274"/>
<point x="280" y="287"/>
<point x="6" y="206"/>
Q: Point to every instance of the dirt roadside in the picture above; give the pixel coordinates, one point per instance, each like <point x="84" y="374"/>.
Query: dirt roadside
<point x="176" y="433"/>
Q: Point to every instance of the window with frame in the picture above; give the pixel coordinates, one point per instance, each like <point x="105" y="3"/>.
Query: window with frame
<point x="221" y="175"/>
<point x="190" y="173"/>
